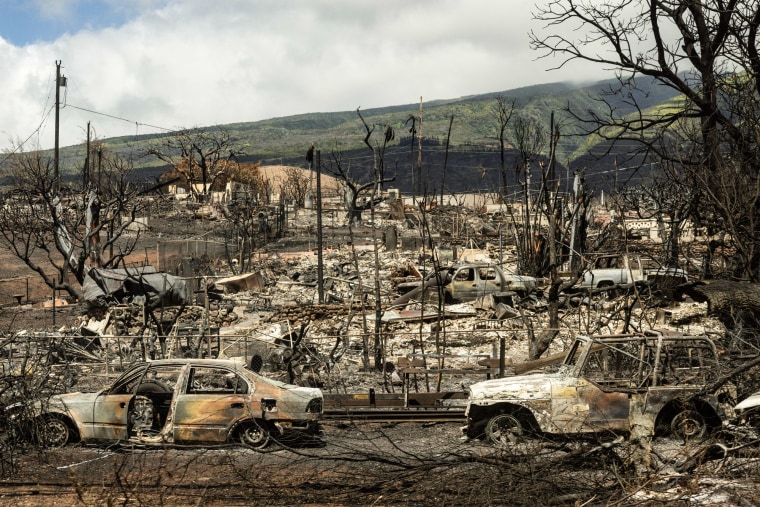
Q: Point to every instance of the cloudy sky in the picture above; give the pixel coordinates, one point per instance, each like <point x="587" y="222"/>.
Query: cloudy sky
<point x="140" y="66"/>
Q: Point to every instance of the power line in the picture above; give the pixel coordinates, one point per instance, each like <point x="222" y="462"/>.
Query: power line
<point x="35" y="131"/>
<point x="119" y="118"/>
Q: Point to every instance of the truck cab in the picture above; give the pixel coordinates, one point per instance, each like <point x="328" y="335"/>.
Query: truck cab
<point x="611" y="270"/>
<point x="608" y="384"/>
<point x="467" y="282"/>
<point x="471" y="281"/>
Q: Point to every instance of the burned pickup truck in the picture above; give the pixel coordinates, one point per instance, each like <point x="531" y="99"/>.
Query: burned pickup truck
<point x="608" y="384"/>
<point x="616" y="270"/>
<point x="465" y="282"/>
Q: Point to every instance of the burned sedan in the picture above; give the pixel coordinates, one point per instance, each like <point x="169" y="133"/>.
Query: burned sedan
<point x="608" y="384"/>
<point x="180" y="401"/>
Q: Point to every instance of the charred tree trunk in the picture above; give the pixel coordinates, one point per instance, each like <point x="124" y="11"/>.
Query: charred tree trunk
<point x="735" y="304"/>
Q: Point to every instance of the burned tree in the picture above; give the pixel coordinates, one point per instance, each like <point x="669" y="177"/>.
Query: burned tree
<point x="666" y="200"/>
<point x="246" y="212"/>
<point x="295" y="186"/>
<point x="362" y="197"/>
<point x="502" y="112"/>
<point x="564" y="231"/>
<point x="529" y="139"/>
<point x="358" y="197"/>
<point x="706" y="52"/>
<point x="61" y="235"/>
<point x="200" y="157"/>
<point x="374" y="198"/>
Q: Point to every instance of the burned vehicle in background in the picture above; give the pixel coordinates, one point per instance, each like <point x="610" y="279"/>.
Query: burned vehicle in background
<point x="466" y="282"/>
<point x="629" y="270"/>
<point x="178" y="401"/>
<point x="608" y="384"/>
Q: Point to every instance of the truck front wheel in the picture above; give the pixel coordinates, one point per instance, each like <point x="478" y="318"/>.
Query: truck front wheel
<point x="688" y="425"/>
<point x="504" y="430"/>
<point x="612" y="293"/>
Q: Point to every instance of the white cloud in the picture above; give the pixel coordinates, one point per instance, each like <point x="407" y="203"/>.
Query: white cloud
<point x="187" y="63"/>
<point x="55" y="8"/>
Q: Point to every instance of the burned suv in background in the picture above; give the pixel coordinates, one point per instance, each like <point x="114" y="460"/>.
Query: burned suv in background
<point x="608" y="384"/>
<point x="466" y="282"/>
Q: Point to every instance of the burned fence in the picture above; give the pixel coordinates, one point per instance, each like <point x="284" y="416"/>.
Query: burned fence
<point x="193" y="257"/>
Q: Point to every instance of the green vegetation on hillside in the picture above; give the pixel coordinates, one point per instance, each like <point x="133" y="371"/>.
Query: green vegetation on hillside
<point x="275" y="139"/>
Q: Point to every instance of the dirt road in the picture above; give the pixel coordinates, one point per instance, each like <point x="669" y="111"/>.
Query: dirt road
<point x="349" y="465"/>
<point x="408" y="464"/>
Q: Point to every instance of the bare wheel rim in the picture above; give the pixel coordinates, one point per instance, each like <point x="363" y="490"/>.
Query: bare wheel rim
<point x="254" y="436"/>
<point x="688" y="425"/>
<point x="53" y="432"/>
<point x="504" y="430"/>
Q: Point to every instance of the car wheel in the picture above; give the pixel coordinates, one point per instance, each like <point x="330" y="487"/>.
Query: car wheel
<point x="688" y="425"/>
<point x="52" y="432"/>
<point x="504" y="430"/>
<point x="253" y="435"/>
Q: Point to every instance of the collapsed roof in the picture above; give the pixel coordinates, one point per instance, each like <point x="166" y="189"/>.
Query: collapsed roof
<point x="104" y="287"/>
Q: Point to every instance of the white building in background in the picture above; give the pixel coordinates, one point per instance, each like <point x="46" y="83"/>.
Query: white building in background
<point x="649" y="229"/>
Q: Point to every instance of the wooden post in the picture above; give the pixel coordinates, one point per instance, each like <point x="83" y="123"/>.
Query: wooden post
<point x="502" y="350"/>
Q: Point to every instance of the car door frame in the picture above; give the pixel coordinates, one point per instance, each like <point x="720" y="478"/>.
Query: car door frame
<point x="110" y="412"/>
<point x="200" y="416"/>
<point x="465" y="290"/>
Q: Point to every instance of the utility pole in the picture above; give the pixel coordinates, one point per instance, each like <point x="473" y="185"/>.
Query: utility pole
<point x="320" y="266"/>
<point x="419" y="154"/>
<point x="86" y="176"/>
<point x="446" y="157"/>
<point x="59" y="81"/>
<point x="578" y="198"/>
<point x="100" y="166"/>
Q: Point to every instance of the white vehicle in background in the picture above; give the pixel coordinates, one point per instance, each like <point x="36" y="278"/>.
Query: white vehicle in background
<point x="627" y="270"/>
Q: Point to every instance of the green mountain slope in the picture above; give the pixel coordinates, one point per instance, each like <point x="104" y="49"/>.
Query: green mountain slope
<point x="474" y="120"/>
<point x="473" y="149"/>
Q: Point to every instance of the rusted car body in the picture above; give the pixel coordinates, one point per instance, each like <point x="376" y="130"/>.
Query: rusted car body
<point x="466" y="282"/>
<point x="180" y="401"/>
<point x="471" y="281"/>
<point x="608" y="384"/>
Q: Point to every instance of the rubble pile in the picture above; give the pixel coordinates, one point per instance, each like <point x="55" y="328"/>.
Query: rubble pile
<point x="271" y="317"/>
<point x="217" y="315"/>
<point x="129" y="320"/>
<point x="288" y="334"/>
<point x="314" y="312"/>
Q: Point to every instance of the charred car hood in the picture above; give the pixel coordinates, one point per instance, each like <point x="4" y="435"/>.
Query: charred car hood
<point x="76" y="397"/>
<point x="522" y="387"/>
<point x="71" y="399"/>
<point x="752" y="402"/>
<point x="76" y="405"/>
